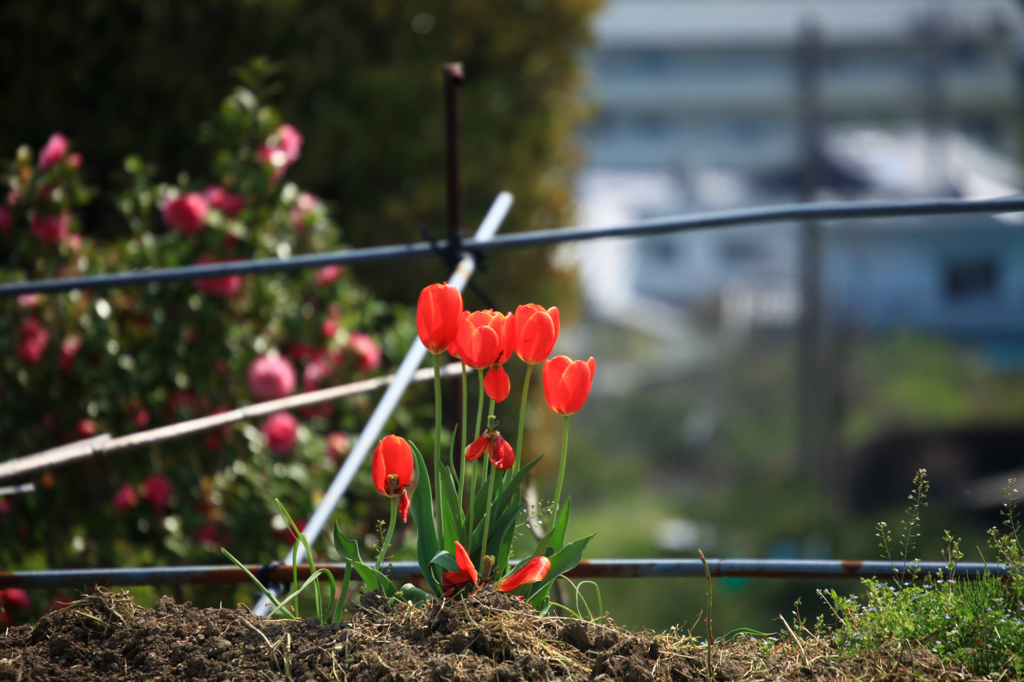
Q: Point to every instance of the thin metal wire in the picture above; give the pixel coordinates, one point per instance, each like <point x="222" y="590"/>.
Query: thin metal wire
<point x="522" y="240"/>
<point x="806" y="569"/>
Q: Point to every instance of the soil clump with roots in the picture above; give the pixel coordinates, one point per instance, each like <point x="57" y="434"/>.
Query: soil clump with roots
<point x="488" y="636"/>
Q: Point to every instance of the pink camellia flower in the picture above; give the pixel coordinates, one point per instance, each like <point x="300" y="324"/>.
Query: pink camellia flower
<point x="50" y="229"/>
<point x="29" y="300"/>
<point x="366" y="350"/>
<point x="6" y="219"/>
<point x="328" y="274"/>
<point x="224" y="201"/>
<point x="34" y="338"/>
<point x="270" y="377"/>
<point x="315" y="372"/>
<point x="15" y="598"/>
<point x="329" y="327"/>
<point x="85" y="428"/>
<point x="186" y="213"/>
<point x="125" y="498"/>
<point x="338" y="445"/>
<point x="280" y="429"/>
<point x="55" y="149"/>
<point x="282" y="148"/>
<point x="69" y="348"/>
<point x="206" y="534"/>
<point x="156" y="490"/>
<point x="305" y="205"/>
<point x="223" y="287"/>
<point x="75" y="160"/>
<point x="142" y="418"/>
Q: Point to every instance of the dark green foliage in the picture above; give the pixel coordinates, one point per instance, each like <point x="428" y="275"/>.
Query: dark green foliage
<point x="361" y="80"/>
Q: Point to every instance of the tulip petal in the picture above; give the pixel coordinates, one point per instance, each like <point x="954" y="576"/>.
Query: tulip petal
<point x="403" y="506"/>
<point x="552" y="378"/>
<point x="478" y="447"/>
<point x="502" y="455"/>
<point x="574" y="387"/>
<point x="532" y="571"/>
<point x="464" y="562"/>
<point x="497" y="384"/>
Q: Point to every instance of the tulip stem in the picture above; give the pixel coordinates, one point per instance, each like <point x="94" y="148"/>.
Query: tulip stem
<point x="465" y="423"/>
<point x="437" y="435"/>
<point x="391" y="529"/>
<point x="522" y="420"/>
<point x="480" y="405"/>
<point x="472" y="495"/>
<point x="487" y="514"/>
<point x="561" y="469"/>
<point x="491" y="412"/>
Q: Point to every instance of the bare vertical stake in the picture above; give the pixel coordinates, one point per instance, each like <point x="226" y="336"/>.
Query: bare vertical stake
<point x="454" y="76"/>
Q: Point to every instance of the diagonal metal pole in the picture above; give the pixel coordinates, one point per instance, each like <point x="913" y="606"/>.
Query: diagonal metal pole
<point x="388" y="402"/>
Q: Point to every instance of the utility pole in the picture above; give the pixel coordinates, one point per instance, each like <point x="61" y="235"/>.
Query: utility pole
<point x="812" y="394"/>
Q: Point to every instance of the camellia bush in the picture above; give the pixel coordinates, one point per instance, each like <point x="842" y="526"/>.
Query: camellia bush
<point x="120" y="360"/>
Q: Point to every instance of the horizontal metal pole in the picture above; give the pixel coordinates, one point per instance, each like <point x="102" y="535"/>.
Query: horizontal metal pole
<point x="836" y="210"/>
<point x="104" y="444"/>
<point x="597" y="568"/>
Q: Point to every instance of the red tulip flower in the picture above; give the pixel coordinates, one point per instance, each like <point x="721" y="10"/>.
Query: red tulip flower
<point x="438" y="314"/>
<point x="482" y="340"/>
<point x="496" y="383"/>
<point x="567" y="383"/>
<point x="532" y="571"/>
<point x="452" y="580"/>
<point x="392" y="466"/>
<point x="536" y="332"/>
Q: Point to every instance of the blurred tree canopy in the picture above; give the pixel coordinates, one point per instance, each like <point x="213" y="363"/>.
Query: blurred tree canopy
<point x="361" y="80"/>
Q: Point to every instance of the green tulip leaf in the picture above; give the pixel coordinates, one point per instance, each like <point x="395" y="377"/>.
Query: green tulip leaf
<point x="446" y="560"/>
<point x="348" y="549"/>
<point x="423" y="516"/>
<point x="414" y="594"/>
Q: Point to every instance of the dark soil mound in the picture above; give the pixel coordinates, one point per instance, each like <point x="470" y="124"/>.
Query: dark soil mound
<point x="488" y="636"/>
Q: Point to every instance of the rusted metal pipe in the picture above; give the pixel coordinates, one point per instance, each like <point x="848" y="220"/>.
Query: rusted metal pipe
<point x="805" y="569"/>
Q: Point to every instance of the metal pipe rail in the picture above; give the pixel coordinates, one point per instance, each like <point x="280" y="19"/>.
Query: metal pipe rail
<point x="824" y="569"/>
<point x="836" y="210"/>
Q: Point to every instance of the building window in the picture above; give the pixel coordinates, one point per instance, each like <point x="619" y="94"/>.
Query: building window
<point x="969" y="281"/>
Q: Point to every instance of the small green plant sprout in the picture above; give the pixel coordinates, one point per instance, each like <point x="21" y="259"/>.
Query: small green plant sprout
<point x="977" y="625"/>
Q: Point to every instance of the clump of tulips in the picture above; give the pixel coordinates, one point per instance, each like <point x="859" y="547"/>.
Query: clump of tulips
<point x="466" y="515"/>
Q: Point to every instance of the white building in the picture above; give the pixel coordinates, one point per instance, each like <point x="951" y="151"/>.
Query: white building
<point x="700" y="103"/>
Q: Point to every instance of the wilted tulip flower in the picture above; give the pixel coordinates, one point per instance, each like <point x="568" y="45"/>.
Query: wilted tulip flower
<point x="567" y="383"/>
<point x="270" y="377"/>
<point x="438" y="314"/>
<point x="536" y="332"/>
<point x="392" y="466"/>
<point x="532" y="571"/>
<point x="186" y="213"/>
<point x="280" y="430"/>
<point x="403" y="506"/>
<point x="453" y="580"/>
